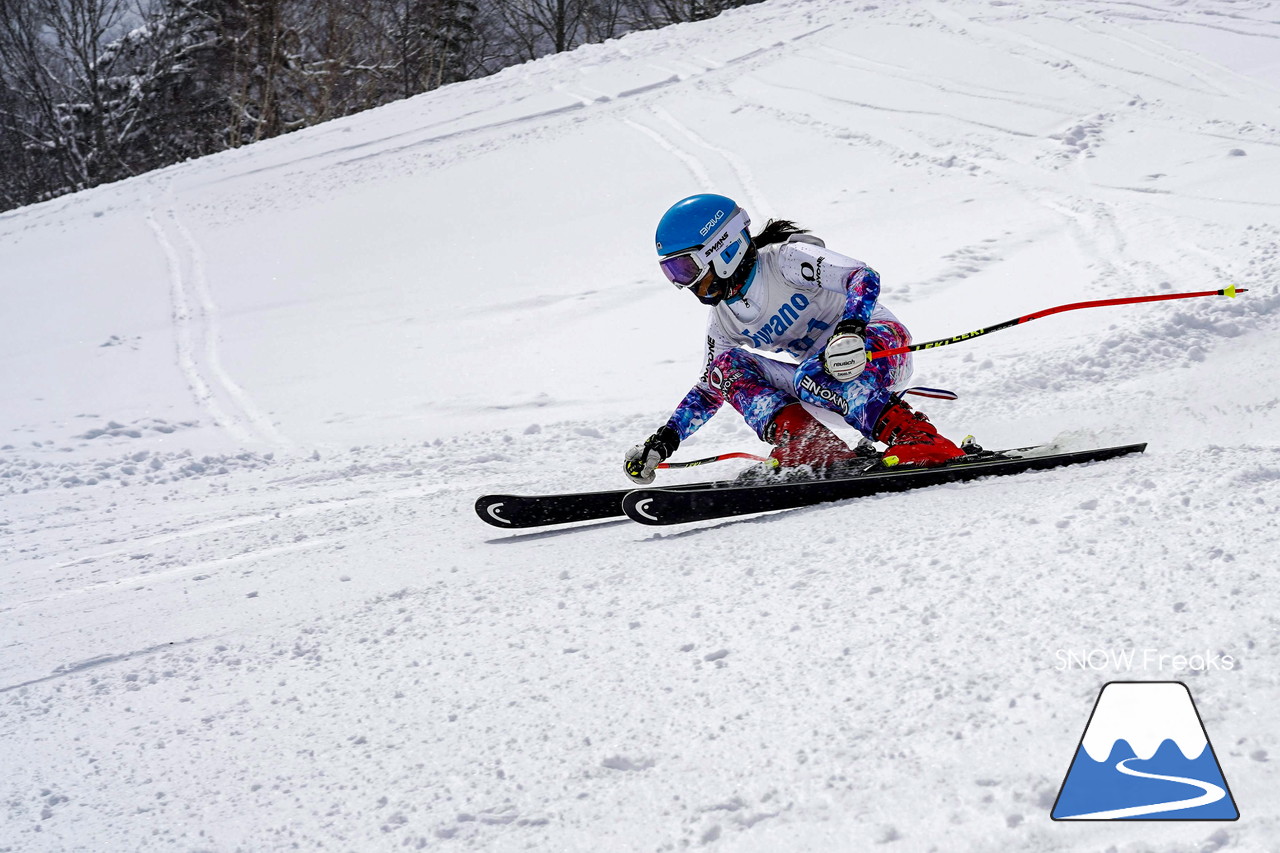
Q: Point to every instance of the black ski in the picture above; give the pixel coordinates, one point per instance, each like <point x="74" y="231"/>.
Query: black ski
<point x="723" y="500"/>
<point x="513" y="511"/>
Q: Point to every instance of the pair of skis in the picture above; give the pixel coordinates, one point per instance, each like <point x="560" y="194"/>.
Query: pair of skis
<point x="729" y="498"/>
<point x="723" y="499"/>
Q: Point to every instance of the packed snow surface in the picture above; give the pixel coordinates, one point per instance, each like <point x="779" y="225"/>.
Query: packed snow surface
<point x="247" y="403"/>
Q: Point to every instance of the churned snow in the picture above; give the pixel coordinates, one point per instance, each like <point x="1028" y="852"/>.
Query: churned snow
<point x="247" y="402"/>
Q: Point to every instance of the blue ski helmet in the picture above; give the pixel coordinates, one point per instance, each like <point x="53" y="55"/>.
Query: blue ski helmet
<point x="704" y="245"/>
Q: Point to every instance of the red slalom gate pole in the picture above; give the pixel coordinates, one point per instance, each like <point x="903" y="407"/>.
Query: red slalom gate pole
<point x="1231" y="291"/>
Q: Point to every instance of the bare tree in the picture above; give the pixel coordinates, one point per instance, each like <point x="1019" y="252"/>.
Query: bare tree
<point x="606" y="19"/>
<point x="660" y="13"/>
<point x="262" y="49"/>
<point x="539" y="27"/>
<point x="91" y="92"/>
<point x="339" y="70"/>
<point x="429" y="42"/>
<point x="57" y="75"/>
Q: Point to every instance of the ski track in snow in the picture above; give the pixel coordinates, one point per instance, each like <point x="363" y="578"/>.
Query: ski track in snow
<point x="197" y="331"/>
<point x="742" y="172"/>
<point x="702" y="178"/>
<point x="323" y="647"/>
<point x="258" y="421"/>
<point x="185" y="332"/>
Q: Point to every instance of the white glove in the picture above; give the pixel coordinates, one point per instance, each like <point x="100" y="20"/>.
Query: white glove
<point x="845" y="356"/>
<point x="642" y="461"/>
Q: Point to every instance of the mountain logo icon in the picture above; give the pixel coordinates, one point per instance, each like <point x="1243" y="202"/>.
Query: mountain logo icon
<point x="1145" y="755"/>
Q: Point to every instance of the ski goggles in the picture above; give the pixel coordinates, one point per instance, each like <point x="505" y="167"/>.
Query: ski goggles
<point x="688" y="266"/>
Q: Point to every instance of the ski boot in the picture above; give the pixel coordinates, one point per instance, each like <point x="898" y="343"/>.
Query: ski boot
<point x="800" y="439"/>
<point x="911" y="439"/>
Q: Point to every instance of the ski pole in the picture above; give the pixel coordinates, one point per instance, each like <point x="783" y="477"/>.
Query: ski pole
<point x="692" y="462"/>
<point x="1231" y="291"/>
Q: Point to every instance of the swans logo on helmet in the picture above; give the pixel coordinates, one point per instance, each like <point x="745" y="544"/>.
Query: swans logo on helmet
<point x="714" y="248"/>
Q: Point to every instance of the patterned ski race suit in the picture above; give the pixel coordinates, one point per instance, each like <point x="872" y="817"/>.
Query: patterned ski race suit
<point x="799" y="292"/>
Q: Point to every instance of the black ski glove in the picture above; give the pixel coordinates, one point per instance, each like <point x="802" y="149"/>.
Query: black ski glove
<point x="642" y="460"/>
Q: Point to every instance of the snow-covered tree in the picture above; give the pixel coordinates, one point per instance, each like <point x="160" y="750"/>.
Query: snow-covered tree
<point x="432" y="39"/>
<point x="57" y="76"/>
<point x="97" y="90"/>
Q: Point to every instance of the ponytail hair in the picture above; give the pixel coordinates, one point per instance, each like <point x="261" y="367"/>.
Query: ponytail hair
<point x="777" y="231"/>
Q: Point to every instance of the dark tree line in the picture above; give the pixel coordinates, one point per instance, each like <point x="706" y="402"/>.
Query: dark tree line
<point x="93" y="91"/>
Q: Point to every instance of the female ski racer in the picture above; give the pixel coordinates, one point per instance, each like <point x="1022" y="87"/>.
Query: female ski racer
<point x="783" y="290"/>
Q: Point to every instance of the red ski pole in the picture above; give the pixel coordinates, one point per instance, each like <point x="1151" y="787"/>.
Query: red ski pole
<point x="692" y="462"/>
<point x="1231" y="291"/>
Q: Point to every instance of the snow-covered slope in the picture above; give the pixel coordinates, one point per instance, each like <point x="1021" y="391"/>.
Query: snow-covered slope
<point x="247" y="402"/>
